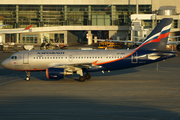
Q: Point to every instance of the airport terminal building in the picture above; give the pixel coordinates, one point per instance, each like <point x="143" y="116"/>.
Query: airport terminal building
<point x="78" y="21"/>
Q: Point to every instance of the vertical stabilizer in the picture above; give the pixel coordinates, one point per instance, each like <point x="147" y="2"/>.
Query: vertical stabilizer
<point x="158" y="38"/>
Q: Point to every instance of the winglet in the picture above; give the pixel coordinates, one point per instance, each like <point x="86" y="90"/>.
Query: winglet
<point x="28" y="27"/>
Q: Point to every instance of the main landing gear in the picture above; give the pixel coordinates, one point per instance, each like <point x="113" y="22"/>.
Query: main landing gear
<point x="86" y="77"/>
<point x="28" y="76"/>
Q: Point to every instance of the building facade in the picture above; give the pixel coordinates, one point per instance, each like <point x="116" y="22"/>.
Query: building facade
<point x="69" y="21"/>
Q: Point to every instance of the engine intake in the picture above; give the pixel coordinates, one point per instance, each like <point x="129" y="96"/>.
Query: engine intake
<point x="57" y="73"/>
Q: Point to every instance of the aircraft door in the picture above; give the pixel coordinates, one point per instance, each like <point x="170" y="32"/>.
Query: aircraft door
<point x="26" y="58"/>
<point x="134" y="58"/>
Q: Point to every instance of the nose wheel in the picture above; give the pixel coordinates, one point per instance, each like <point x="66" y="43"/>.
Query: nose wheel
<point x="28" y="76"/>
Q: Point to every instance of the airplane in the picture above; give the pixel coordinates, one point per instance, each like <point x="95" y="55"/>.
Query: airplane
<point x="61" y="63"/>
<point x="15" y="30"/>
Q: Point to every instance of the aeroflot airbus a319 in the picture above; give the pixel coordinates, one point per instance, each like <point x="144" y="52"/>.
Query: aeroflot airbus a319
<point x="60" y="63"/>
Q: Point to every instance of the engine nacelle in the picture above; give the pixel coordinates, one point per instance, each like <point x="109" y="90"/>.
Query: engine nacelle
<point x="178" y="47"/>
<point x="57" y="73"/>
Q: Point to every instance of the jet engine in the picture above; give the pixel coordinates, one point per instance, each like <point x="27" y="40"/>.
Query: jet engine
<point x="57" y="73"/>
<point x="178" y="47"/>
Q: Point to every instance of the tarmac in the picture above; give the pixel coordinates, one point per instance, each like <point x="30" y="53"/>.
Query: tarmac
<point x="141" y="93"/>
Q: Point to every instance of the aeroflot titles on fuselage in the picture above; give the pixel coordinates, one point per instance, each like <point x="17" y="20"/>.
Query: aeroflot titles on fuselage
<point x="50" y="53"/>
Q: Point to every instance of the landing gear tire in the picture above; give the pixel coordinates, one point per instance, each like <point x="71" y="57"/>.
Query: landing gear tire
<point x="87" y="76"/>
<point x="81" y="78"/>
<point x="27" y="78"/>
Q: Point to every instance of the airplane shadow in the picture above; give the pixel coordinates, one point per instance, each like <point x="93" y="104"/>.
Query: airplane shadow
<point x="42" y="75"/>
<point x="93" y="74"/>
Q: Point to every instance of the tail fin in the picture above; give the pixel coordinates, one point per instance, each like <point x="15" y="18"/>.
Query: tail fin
<point x="157" y="39"/>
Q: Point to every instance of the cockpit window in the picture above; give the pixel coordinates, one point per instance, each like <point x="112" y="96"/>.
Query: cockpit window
<point x="14" y="57"/>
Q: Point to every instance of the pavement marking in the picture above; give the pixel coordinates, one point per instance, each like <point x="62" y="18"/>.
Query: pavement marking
<point x="175" y="92"/>
<point x="9" y="81"/>
<point x="16" y="79"/>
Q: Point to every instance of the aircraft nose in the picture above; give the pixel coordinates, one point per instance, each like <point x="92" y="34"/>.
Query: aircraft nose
<point x="4" y="64"/>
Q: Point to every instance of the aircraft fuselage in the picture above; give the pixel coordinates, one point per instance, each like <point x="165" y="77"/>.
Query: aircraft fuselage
<point x="39" y="60"/>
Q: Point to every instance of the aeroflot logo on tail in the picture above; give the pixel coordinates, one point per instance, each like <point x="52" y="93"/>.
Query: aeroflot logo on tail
<point x="50" y="53"/>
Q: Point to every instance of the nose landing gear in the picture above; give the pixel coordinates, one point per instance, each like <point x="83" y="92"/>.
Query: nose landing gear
<point x="28" y="76"/>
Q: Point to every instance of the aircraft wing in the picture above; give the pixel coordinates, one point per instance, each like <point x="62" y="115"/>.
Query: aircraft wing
<point x="103" y="40"/>
<point x="137" y="42"/>
<point x="174" y="42"/>
<point x="138" y="37"/>
<point x="75" y="67"/>
<point x="3" y="25"/>
<point x="174" y="36"/>
<point x="16" y="30"/>
<point x="78" y="65"/>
